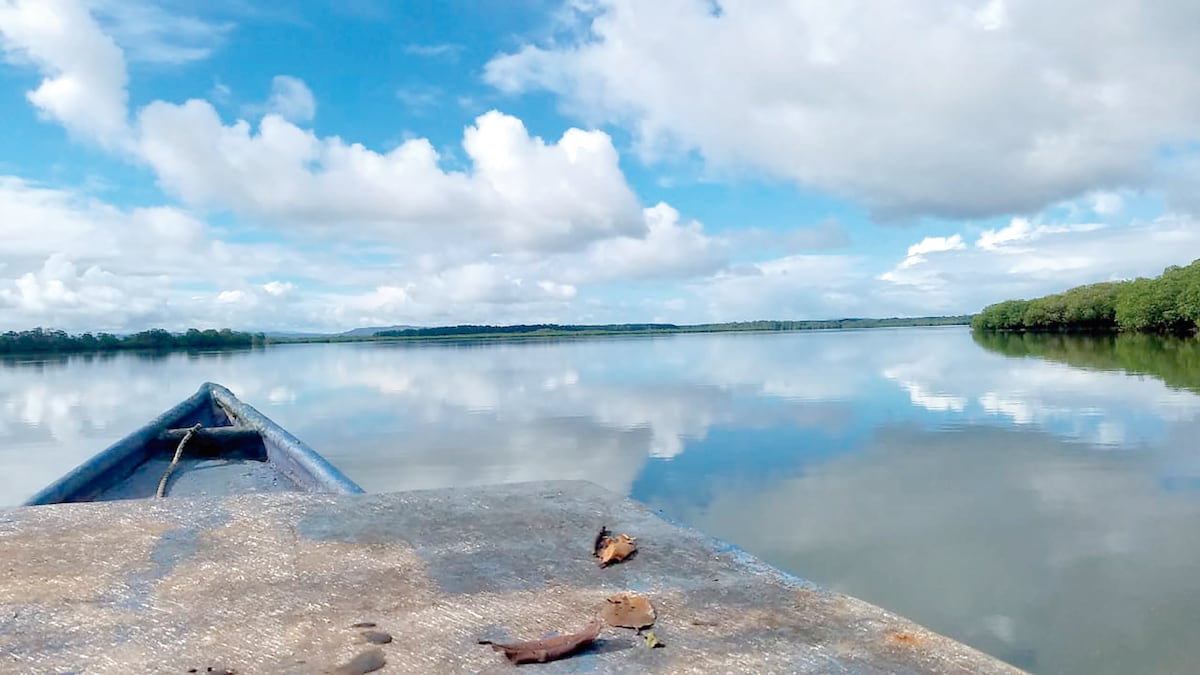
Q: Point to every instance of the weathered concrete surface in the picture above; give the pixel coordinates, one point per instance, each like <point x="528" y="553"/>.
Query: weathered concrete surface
<point x="272" y="583"/>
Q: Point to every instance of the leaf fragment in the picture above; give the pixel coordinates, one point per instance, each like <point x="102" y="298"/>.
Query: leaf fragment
<point x="548" y="649"/>
<point x="628" y="610"/>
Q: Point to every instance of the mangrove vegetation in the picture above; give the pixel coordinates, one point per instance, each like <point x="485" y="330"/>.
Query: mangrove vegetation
<point x="40" y="341"/>
<point x="1168" y="303"/>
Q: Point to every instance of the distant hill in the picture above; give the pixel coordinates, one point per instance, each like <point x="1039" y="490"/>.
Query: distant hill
<point x="371" y="331"/>
<point x="293" y="334"/>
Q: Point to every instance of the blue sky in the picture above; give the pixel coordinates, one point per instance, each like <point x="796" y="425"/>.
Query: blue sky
<point x="321" y="165"/>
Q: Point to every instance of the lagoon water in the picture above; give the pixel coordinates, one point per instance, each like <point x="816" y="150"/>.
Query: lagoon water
<point x="1032" y="499"/>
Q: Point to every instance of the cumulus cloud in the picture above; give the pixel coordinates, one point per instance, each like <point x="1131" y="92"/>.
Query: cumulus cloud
<point x="70" y="261"/>
<point x="667" y="249"/>
<point x="521" y="193"/>
<point x="199" y="279"/>
<point x="957" y="109"/>
<point x="60" y="294"/>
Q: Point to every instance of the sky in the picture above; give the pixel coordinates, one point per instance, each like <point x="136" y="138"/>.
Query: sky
<point x="320" y="165"/>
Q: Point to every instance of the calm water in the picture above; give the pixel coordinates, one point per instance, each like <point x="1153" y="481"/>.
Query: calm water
<point x="1021" y="496"/>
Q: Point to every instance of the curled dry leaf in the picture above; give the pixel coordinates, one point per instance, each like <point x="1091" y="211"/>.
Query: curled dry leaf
<point x="628" y="610"/>
<point x="618" y="549"/>
<point x="548" y="649"/>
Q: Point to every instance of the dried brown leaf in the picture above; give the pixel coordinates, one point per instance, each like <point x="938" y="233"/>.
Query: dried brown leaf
<point x="548" y="649"/>
<point x="628" y="610"/>
<point x="616" y="550"/>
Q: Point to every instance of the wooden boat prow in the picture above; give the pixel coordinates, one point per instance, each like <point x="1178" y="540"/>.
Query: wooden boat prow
<point x="236" y="450"/>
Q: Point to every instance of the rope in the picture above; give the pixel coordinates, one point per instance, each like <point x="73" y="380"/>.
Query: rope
<point x="162" y="484"/>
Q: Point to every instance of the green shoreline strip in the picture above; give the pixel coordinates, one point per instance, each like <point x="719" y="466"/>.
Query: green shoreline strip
<point x="40" y="341"/>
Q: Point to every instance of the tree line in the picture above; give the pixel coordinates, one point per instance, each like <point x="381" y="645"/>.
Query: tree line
<point x="1168" y="303"/>
<point x="39" y="340"/>
<point x="553" y="329"/>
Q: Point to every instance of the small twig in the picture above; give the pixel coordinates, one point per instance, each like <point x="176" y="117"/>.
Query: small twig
<point x="601" y="541"/>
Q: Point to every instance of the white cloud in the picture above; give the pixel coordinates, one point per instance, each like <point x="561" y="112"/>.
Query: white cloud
<point x="993" y="15"/>
<point x="84" y="85"/>
<point x="917" y="252"/>
<point x="291" y="99"/>
<point x="1022" y="230"/>
<point x="936" y="244"/>
<point x="152" y="33"/>
<point x="443" y="50"/>
<point x="278" y="287"/>
<point x="1017" y="230"/>
<point x="958" y="109"/>
<point x="232" y="297"/>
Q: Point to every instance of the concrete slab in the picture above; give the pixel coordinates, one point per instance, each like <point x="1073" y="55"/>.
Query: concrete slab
<point x="274" y="583"/>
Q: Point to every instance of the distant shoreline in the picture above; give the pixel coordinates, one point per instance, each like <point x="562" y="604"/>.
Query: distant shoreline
<point x="39" y="341"/>
<point x="552" y="331"/>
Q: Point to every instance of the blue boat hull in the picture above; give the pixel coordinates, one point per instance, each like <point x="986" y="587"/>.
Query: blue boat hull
<point x="236" y="450"/>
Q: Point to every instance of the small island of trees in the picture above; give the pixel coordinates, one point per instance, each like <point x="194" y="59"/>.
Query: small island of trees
<point x="40" y="341"/>
<point x="1169" y="303"/>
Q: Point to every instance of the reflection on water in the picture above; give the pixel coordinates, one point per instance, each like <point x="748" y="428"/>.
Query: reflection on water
<point x="1173" y="360"/>
<point x="1041" y="511"/>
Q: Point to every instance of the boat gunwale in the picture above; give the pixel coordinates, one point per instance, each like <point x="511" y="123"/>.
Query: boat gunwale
<point x="305" y="466"/>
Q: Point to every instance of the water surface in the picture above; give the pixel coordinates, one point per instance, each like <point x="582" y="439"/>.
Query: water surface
<point x="1036" y="498"/>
